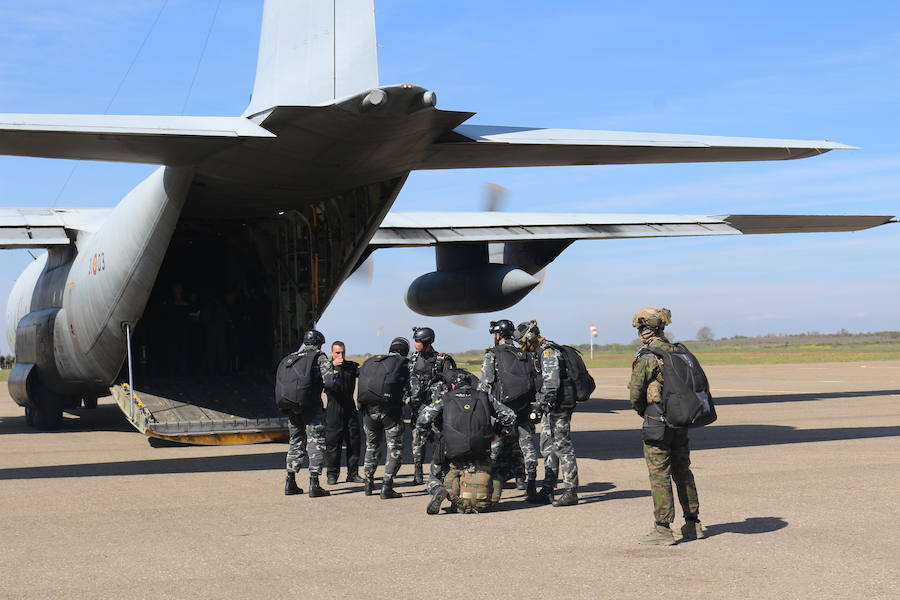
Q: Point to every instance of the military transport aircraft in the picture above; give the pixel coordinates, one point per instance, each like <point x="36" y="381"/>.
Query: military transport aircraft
<point x="269" y="212"/>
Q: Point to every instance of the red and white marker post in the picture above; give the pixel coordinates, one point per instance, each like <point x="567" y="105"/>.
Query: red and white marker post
<point x="594" y="333"/>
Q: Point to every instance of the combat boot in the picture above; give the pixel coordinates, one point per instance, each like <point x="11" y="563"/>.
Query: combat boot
<point x="434" y="505"/>
<point x="353" y="475"/>
<point x="370" y="484"/>
<point x="521" y="484"/>
<point x="387" y="490"/>
<point x="332" y="478"/>
<point x="418" y="477"/>
<point x="658" y="536"/>
<point x="316" y="490"/>
<point x="692" y="530"/>
<point x="531" y="493"/>
<point x="290" y="485"/>
<point x="569" y="498"/>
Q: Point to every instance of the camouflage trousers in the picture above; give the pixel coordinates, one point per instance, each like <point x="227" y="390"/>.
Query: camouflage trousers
<point x="438" y="469"/>
<point x="375" y="429"/>
<point x="516" y="453"/>
<point x="667" y="461"/>
<point x="419" y="438"/>
<point x="557" y="448"/>
<point x="307" y="441"/>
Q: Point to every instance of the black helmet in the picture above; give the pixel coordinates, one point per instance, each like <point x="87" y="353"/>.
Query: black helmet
<point x="400" y="345"/>
<point x="504" y="327"/>
<point x="457" y="377"/>
<point x="313" y="338"/>
<point x="423" y="334"/>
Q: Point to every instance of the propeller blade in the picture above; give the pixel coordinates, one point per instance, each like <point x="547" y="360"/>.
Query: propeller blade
<point x="541" y="275"/>
<point x="467" y="321"/>
<point x="365" y="273"/>
<point x="494" y="197"/>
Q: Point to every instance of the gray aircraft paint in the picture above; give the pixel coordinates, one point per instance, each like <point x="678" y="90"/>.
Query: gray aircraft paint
<point x="321" y="153"/>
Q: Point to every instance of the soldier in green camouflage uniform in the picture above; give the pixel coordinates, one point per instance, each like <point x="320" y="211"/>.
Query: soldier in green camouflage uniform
<point x="307" y="429"/>
<point x="556" y="422"/>
<point x="666" y="449"/>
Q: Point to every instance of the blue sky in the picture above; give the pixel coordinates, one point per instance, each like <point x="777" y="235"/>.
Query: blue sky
<point x="767" y="69"/>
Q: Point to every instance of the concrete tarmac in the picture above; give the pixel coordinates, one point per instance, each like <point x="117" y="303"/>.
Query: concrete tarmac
<point x="799" y="483"/>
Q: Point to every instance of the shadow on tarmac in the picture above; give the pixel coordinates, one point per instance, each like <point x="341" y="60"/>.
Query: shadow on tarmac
<point x="748" y="526"/>
<point x="604" y="445"/>
<point x="608" y="405"/>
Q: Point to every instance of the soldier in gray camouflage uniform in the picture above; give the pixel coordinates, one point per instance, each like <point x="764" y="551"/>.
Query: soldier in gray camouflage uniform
<point x="667" y="450"/>
<point x="431" y="416"/>
<point x="556" y="408"/>
<point x="385" y="422"/>
<point x="502" y="331"/>
<point x="426" y="368"/>
<point x="307" y="429"/>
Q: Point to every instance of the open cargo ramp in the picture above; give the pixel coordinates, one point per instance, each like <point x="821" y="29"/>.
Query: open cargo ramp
<point x="210" y="410"/>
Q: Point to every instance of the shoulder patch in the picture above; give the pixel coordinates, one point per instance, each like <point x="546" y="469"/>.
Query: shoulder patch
<point x="548" y="353"/>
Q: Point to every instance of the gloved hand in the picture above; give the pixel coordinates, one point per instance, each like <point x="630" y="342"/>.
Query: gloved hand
<point x="537" y="411"/>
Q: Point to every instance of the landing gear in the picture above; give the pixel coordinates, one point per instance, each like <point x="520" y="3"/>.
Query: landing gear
<point x="29" y="416"/>
<point x="47" y="411"/>
<point x="90" y="402"/>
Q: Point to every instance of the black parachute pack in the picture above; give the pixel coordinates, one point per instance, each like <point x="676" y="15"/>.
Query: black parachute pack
<point x="382" y="379"/>
<point x="516" y="374"/>
<point x="581" y="384"/>
<point x="686" y="401"/>
<point x="467" y="430"/>
<point x="298" y="384"/>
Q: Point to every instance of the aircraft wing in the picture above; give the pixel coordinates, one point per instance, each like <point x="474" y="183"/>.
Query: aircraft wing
<point x="476" y="146"/>
<point x="135" y="139"/>
<point x="402" y="229"/>
<point x="45" y="227"/>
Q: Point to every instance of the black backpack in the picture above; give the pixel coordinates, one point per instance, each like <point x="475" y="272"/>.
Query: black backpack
<point x="686" y="401"/>
<point x="581" y="384"/>
<point x="298" y="384"/>
<point x="382" y="380"/>
<point x="467" y="430"/>
<point x="515" y="375"/>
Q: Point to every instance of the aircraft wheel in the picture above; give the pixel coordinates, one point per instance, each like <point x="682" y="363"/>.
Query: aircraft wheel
<point x="47" y="412"/>
<point x="29" y="416"/>
<point x="90" y="402"/>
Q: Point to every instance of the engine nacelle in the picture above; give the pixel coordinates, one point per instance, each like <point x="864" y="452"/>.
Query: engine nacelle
<point x="478" y="289"/>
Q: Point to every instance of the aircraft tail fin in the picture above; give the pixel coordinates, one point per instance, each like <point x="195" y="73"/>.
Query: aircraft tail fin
<point x="313" y="51"/>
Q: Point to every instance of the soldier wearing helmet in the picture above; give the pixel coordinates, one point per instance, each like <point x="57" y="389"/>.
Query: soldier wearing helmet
<point x="555" y="407"/>
<point x="507" y="375"/>
<point x="307" y="426"/>
<point x="666" y="449"/>
<point x="426" y="370"/>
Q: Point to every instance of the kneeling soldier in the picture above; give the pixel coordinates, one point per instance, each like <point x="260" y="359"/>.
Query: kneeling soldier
<point x="463" y="415"/>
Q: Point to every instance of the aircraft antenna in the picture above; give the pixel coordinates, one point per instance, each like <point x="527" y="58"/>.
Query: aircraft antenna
<point x="212" y="24"/>
<point x="116" y="93"/>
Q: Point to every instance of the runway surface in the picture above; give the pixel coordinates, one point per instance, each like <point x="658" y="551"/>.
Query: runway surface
<point x="799" y="482"/>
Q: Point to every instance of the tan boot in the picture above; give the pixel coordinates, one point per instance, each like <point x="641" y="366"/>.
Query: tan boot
<point x="658" y="536"/>
<point x="692" y="530"/>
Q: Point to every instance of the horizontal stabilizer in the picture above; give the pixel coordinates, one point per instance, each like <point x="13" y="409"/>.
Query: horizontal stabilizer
<point x="401" y="229"/>
<point x="46" y="227"/>
<point x="478" y="146"/>
<point x="173" y="141"/>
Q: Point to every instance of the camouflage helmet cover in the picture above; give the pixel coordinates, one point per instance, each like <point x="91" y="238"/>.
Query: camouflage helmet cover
<point x="654" y="318"/>
<point x="527" y="333"/>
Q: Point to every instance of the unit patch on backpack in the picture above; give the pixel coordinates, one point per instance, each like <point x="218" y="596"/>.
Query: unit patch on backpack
<point x="686" y="401"/>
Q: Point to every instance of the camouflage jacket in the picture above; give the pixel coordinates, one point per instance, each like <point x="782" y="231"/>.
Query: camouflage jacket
<point x="431" y="415"/>
<point x="549" y="358"/>
<point x="489" y="382"/>
<point x="646" y="382"/>
<point x="426" y="386"/>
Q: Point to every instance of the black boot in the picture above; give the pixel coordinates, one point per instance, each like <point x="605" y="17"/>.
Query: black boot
<point x="568" y="498"/>
<point x="290" y="485"/>
<point x="387" y="490"/>
<point x="531" y="493"/>
<point x="418" y="477"/>
<point x="434" y="505"/>
<point x="316" y="490"/>
<point x="332" y="478"/>
<point x="546" y="493"/>
<point x="370" y="484"/>
<point x="353" y="475"/>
